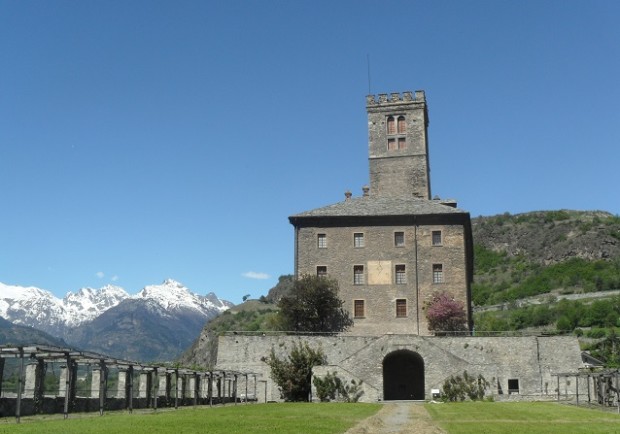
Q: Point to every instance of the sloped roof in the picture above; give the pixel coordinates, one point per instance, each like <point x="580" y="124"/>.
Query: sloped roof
<point x="366" y="206"/>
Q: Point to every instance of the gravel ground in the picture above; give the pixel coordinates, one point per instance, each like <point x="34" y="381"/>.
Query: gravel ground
<point x="398" y="417"/>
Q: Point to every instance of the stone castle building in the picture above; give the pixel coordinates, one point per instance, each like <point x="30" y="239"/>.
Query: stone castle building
<point x="394" y="247"/>
<point x="391" y="249"/>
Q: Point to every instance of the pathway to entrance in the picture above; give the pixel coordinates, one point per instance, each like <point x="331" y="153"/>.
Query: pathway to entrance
<point x="396" y="418"/>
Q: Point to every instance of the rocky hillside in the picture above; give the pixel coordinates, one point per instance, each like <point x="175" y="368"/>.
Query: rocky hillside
<point x="550" y="237"/>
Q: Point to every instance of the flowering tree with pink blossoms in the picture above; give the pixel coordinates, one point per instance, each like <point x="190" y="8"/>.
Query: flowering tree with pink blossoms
<point x="445" y="314"/>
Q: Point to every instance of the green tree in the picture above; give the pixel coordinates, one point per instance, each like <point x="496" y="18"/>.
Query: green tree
<point x="293" y="373"/>
<point x="313" y="306"/>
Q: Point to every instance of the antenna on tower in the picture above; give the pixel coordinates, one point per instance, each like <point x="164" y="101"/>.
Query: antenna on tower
<point x="368" y="63"/>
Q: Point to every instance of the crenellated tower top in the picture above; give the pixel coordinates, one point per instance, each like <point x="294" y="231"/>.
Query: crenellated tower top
<point x="395" y="97"/>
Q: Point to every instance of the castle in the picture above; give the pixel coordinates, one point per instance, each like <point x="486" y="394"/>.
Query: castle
<point x="390" y="250"/>
<point x="394" y="247"/>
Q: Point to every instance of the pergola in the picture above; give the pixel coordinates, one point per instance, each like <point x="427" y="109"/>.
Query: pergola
<point x="191" y="386"/>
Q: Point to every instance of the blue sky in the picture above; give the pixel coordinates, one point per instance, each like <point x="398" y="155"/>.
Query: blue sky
<point x="145" y="140"/>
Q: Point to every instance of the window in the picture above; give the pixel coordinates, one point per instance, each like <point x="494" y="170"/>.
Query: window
<point x="391" y="125"/>
<point x="358" y="309"/>
<point x="399" y="239"/>
<point x="437" y="238"/>
<point x="358" y="274"/>
<point x="321" y="271"/>
<point x="322" y="241"/>
<point x="513" y="385"/>
<point x="401" y="276"/>
<point x="358" y="239"/>
<point x="401" y="308"/>
<point x="396" y="128"/>
<point x="402" y="125"/>
<point x="437" y="273"/>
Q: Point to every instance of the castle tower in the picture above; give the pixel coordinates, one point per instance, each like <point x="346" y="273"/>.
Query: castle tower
<point x="398" y="145"/>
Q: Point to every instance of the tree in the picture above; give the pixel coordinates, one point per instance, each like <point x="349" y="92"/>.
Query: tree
<point x="445" y="314"/>
<point x="293" y="374"/>
<point x="313" y="306"/>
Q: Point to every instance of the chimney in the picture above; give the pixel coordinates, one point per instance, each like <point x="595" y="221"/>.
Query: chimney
<point x="347" y="195"/>
<point x="365" y="190"/>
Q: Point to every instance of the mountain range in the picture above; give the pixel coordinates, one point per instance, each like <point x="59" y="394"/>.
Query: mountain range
<point x="158" y="323"/>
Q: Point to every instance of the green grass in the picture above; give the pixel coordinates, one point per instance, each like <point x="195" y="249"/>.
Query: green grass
<point x="256" y="419"/>
<point x="522" y="418"/>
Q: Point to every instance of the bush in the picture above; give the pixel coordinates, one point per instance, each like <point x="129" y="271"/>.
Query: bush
<point x="331" y="387"/>
<point x="457" y="388"/>
<point x="293" y="374"/>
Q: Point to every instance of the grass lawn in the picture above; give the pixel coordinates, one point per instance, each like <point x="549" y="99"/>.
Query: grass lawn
<point x="256" y="419"/>
<point x="522" y="418"/>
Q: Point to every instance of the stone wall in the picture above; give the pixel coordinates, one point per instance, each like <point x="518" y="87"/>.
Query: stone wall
<point x="379" y="257"/>
<point x="530" y="362"/>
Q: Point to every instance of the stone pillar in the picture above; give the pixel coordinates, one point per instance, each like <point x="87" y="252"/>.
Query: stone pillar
<point x="35" y="373"/>
<point x="191" y="386"/>
<point x="144" y="388"/>
<point x="1" y="374"/>
<point x="164" y="385"/>
<point x="121" y="385"/>
<point x="95" y="382"/>
<point x="63" y="381"/>
<point x="181" y="384"/>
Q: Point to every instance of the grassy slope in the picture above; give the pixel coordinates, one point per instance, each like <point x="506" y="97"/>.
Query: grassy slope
<point x="522" y="418"/>
<point x="286" y="418"/>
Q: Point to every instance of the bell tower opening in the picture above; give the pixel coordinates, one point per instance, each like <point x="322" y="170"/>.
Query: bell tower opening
<point x="403" y="376"/>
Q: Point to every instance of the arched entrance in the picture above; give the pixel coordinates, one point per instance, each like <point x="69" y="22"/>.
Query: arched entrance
<point x="403" y="376"/>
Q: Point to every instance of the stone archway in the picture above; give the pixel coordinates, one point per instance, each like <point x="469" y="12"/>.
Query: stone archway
<point x="403" y="376"/>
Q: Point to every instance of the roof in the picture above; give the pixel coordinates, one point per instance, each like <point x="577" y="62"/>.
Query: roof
<point x="367" y="206"/>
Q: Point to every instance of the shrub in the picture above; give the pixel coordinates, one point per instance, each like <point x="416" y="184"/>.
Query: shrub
<point x="457" y="388"/>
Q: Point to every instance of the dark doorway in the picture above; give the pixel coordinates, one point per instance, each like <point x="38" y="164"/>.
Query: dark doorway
<point x="403" y="376"/>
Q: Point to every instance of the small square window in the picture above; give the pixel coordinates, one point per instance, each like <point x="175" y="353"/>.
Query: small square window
<point x="358" y="274"/>
<point x="401" y="276"/>
<point x="358" y="239"/>
<point x="437" y="238"/>
<point x="321" y="241"/>
<point x="402" y="143"/>
<point x="437" y="273"/>
<point x="513" y="385"/>
<point x="392" y="144"/>
<point x="399" y="239"/>
<point x="321" y="271"/>
<point x="401" y="308"/>
<point x="358" y="309"/>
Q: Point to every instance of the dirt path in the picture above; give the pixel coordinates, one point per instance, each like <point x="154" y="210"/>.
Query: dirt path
<point x="398" y="417"/>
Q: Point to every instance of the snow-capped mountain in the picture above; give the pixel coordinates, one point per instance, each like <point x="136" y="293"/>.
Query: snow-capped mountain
<point x="157" y="323"/>
<point x="172" y="296"/>
<point x="38" y="308"/>
<point x="88" y="303"/>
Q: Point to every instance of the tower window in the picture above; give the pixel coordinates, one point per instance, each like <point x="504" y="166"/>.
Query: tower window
<point x="402" y="125"/>
<point x="358" y="309"/>
<point x="358" y="274"/>
<point x="321" y="241"/>
<point x="437" y="238"/>
<point x="401" y="308"/>
<point x="321" y="271"/>
<point x="401" y="275"/>
<point x="391" y="125"/>
<point x="398" y="128"/>
<point x="437" y="273"/>
<point x="399" y="239"/>
<point x="358" y="239"/>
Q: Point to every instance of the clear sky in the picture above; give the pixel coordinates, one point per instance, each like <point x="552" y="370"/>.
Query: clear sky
<point x="145" y="140"/>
